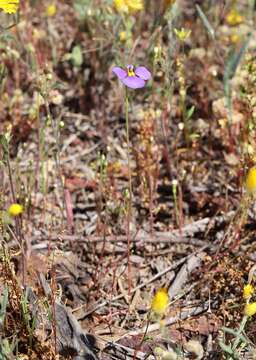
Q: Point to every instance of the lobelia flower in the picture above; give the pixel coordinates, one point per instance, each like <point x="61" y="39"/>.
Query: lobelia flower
<point x="9" y="6"/>
<point x="133" y="78"/>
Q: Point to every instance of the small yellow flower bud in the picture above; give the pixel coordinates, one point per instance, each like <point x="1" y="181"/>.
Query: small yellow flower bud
<point x="181" y="126"/>
<point x="250" y="309"/>
<point x="175" y="182"/>
<point x="250" y="182"/>
<point x="182" y="93"/>
<point x="122" y="35"/>
<point x="15" y="210"/>
<point x="89" y="12"/>
<point x="160" y="301"/>
<point x="51" y="10"/>
<point x="157" y="51"/>
<point x="248" y="291"/>
<point x="235" y="38"/>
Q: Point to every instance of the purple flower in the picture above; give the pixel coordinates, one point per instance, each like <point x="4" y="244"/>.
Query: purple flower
<point x="133" y="78"/>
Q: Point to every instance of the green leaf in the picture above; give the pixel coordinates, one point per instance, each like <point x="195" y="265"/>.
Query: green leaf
<point x="234" y="333"/>
<point x="77" y="56"/>
<point x="233" y="60"/>
<point x="4" y="142"/>
<point x="3" y="303"/>
<point x="190" y="112"/>
<point x="226" y="348"/>
<point x="205" y="21"/>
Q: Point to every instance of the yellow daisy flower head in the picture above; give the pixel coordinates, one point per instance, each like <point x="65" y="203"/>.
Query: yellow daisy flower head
<point x="122" y="36"/>
<point x="250" y="309"/>
<point x="160" y="301"/>
<point x="128" y="6"/>
<point x="235" y="38"/>
<point x="9" y="6"/>
<point x="248" y="291"/>
<point x="51" y="10"/>
<point x="234" y="18"/>
<point x="250" y="181"/>
<point x="121" y="6"/>
<point x="135" y="5"/>
<point x="182" y="34"/>
<point x="15" y="210"/>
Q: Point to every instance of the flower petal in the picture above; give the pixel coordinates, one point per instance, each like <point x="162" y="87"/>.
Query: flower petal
<point x="133" y="82"/>
<point x="143" y="73"/>
<point x="119" y="72"/>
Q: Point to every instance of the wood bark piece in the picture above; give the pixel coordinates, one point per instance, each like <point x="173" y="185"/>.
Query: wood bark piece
<point x="182" y="235"/>
<point x="152" y="279"/>
<point x="71" y="339"/>
<point x="184" y="273"/>
<point x="183" y="315"/>
<point x="120" y="352"/>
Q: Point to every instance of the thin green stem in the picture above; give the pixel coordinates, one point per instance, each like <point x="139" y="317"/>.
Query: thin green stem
<point x="10" y="177"/>
<point x="55" y="127"/>
<point x="18" y="221"/>
<point x="130" y="190"/>
<point x="239" y="332"/>
<point x="143" y="337"/>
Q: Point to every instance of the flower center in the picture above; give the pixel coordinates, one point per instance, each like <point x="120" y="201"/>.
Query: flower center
<point x="130" y="71"/>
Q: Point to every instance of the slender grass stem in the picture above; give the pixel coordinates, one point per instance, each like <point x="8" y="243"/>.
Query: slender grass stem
<point x="129" y="210"/>
<point x="143" y="337"/>
<point x="18" y="221"/>
<point x="55" y="128"/>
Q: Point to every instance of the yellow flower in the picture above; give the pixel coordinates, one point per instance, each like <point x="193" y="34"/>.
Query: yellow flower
<point x="248" y="291"/>
<point x="135" y="5"/>
<point x="160" y="301"/>
<point x="250" y="182"/>
<point x="182" y="34"/>
<point x="51" y="10"/>
<point x="233" y="18"/>
<point x="250" y="309"/>
<point x="122" y="35"/>
<point x="128" y="6"/>
<point x="15" y="210"/>
<point x="121" y="6"/>
<point x="9" y="6"/>
<point x="235" y="38"/>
